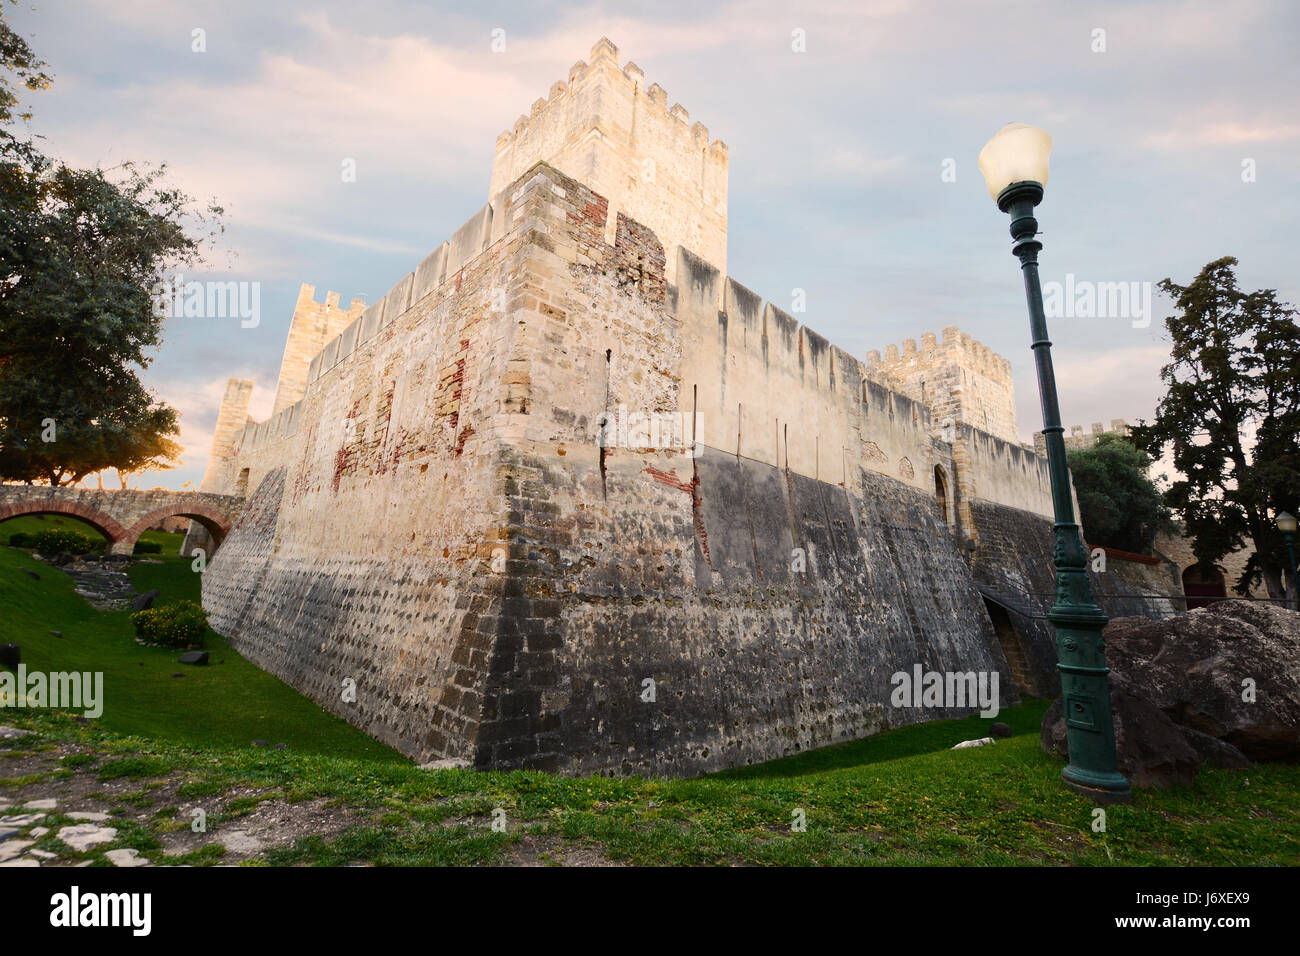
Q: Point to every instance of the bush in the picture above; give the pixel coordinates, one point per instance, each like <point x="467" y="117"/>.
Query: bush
<point x="182" y="624"/>
<point x="57" y="542"/>
<point x="147" y="547"/>
<point x="20" y="540"/>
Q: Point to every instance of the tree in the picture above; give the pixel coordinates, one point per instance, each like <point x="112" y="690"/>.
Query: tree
<point x="1231" y="415"/>
<point x="80" y="253"/>
<point x="1119" y="505"/>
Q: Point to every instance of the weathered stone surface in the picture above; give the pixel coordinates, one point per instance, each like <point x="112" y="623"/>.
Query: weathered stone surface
<point x="1193" y="667"/>
<point x="196" y="658"/>
<point x="239" y="841"/>
<point x="1012" y="562"/>
<point x="126" y="858"/>
<point x="1152" y="750"/>
<point x="83" y="836"/>
<point x="12" y="848"/>
<point x="999" y="729"/>
<point x="582" y="502"/>
<point x="1215" y="752"/>
<point x="145" y="600"/>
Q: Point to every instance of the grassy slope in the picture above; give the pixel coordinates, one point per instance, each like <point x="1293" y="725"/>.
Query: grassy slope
<point x="229" y="703"/>
<point x="898" y="798"/>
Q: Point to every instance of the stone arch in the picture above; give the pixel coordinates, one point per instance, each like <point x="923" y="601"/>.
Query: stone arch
<point x="941" y="493"/>
<point x="101" y="522"/>
<point x="1203" y="585"/>
<point x="214" y="522"/>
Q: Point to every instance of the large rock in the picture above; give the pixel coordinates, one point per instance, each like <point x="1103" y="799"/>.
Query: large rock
<point x="1152" y="750"/>
<point x="144" y="601"/>
<point x="1194" y="667"/>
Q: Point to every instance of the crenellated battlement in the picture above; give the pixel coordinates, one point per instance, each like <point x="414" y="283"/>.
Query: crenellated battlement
<point x="1076" y="437"/>
<point x="959" y="378"/>
<point x="313" y="324"/>
<point x="606" y="128"/>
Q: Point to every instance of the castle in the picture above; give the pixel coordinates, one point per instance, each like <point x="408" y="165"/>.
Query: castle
<point x="569" y="497"/>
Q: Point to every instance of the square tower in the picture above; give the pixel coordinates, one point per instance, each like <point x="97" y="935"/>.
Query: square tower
<point x="607" y="130"/>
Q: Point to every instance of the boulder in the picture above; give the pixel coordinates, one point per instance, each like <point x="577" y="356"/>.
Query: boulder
<point x="144" y="601"/>
<point x="1151" y="749"/>
<point x="1216" y="752"/>
<point x="197" y="658"/>
<point x="1230" y="671"/>
<point x="1000" y="729"/>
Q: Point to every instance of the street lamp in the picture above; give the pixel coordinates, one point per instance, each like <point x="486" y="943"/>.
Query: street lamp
<point x="1286" y="524"/>
<point x="1014" y="164"/>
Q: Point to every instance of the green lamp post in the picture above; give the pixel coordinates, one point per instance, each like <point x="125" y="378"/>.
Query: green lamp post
<point x="1014" y="164"/>
<point x="1286" y="524"/>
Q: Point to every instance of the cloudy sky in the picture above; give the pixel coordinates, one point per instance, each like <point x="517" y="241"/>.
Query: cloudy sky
<point x="1176" y="127"/>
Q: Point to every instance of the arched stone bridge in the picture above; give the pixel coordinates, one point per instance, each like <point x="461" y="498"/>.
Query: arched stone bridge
<point x="123" y="515"/>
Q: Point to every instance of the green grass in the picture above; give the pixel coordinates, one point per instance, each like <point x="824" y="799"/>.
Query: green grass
<point x="902" y="797"/>
<point x="899" y="798"/>
<point x="31" y="524"/>
<point x="229" y="703"/>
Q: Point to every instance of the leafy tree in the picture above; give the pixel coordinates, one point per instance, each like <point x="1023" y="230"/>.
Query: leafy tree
<point x="80" y="253"/>
<point x="1120" y="506"/>
<point x="28" y="72"/>
<point x="1231" y="414"/>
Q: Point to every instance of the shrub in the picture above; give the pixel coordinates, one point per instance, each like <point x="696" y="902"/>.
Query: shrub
<point x="181" y="624"/>
<point x="20" y="540"/>
<point x="55" y="541"/>
<point x="147" y="547"/>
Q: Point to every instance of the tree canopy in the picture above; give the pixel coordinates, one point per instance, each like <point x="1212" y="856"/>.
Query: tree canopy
<point x="1119" y="504"/>
<point x="1231" y="415"/>
<point x="80" y="252"/>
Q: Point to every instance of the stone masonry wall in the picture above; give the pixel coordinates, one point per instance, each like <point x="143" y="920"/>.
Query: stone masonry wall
<point x="313" y="324"/>
<point x="499" y="583"/>
<point x="960" y="380"/>
<point x="1012" y="564"/>
<point x="607" y="129"/>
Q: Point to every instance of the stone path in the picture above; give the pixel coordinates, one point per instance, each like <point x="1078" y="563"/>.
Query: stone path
<point x="100" y="583"/>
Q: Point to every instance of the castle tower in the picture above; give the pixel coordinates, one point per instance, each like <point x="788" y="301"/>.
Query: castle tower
<point x="313" y="325"/>
<point x="608" y="130"/>
<point x="232" y="416"/>
<point x="959" y="379"/>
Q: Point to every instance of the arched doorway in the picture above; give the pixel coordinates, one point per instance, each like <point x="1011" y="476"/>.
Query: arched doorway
<point x="1005" y="631"/>
<point x="941" y="493"/>
<point x="1203" y="586"/>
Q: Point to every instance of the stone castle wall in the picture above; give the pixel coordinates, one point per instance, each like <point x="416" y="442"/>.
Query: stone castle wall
<point x="313" y="324"/>
<point x="567" y="462"/>
<point x="500" y="585"/>
<point x="607" y="129"/>
<point x="959" y="379"/>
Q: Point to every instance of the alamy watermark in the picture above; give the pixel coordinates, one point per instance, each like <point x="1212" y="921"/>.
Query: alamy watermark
<point x="922" y="688"/>
<point x="1084" y="299"/>
<point x="620" y="428"/>
<point x="176" y="298"/>
<point x="67" y="690"/>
